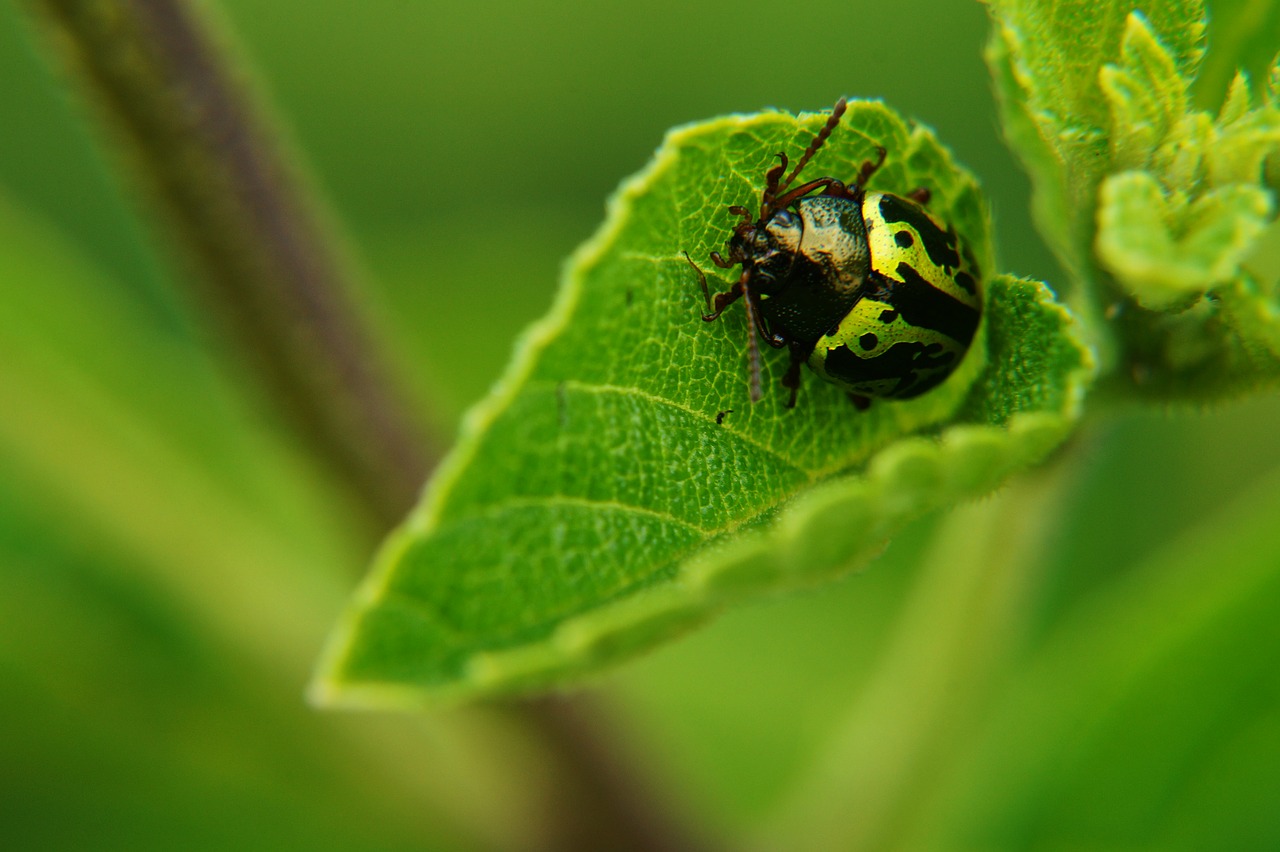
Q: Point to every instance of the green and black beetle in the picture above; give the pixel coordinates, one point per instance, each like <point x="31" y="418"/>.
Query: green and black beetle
<point x="876" y="295"/>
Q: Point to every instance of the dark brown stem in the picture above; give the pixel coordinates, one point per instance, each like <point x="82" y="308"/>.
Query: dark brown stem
<point x="254" y="240"/>
<point x="602" y="802"/>
<point x="276" y="276"/>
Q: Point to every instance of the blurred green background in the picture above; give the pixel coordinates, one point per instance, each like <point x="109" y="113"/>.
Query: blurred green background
<point x="169" y="563"/>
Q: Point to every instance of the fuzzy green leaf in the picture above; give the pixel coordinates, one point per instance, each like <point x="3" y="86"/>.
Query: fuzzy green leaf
<point x="1167" y="248"/>
<point x="1146" y="96"/>
<point x="1181" y="225"/>
<point x="1235" y="105"/>
<point x="1151" y="204"/>
<point x="1047" y="58"/>
<point x="619" y="486"/>
<point x="1236" y="153"/>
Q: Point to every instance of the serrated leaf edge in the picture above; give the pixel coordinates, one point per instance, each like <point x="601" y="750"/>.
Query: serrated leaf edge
<point x="700" y="589"/>
<point x="475" y="422"/>
<point x="694" y="596"/>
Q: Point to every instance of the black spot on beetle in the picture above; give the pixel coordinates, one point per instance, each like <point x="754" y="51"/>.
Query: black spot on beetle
<point x="904" y="239"/>
<point x="965" y="281"/>
<point x="926" y="306"/>
<point x="939" y="244"/>
<point x="868" y="341"/>
<point x="917" y="367"/>
<point x="888" y="316"/>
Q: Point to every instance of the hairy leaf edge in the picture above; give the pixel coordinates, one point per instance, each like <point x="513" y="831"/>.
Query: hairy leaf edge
<point x="325" y="689"/>
<point x="708" y="581"/>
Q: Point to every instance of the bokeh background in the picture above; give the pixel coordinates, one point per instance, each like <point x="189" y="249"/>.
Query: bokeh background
<point x="169" y="563"/>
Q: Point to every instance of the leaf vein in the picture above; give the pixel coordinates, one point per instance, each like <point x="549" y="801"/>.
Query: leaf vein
<point x="594" y="387"/>
<point x="583" y="502"/>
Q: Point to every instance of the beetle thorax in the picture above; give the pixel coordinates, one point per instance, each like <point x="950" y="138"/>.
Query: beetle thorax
<point x="808" y="264"/>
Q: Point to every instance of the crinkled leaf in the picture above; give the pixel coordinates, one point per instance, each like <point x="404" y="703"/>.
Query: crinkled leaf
<point x="1167" y="248"/>
<point x="618" y="485"/>
<point x="1047" y="57"/>
<point x="1181" y="226"/>
<point x="1253" y="309"/>
<point x="1235" y="154"/>
<point x="1252" y="302"/>
<point x="1151" y="204"/>
<point x="1146" y="96"/>
<point x="1183" y="204"/>
<point x="1024" y="130"/>
<point x="1235" y="105"/>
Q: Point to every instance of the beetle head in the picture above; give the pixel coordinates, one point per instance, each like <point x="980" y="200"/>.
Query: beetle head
<point x="768" y="250"/>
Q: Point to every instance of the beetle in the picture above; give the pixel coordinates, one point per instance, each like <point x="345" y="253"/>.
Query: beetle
<point x="871" y="291"/>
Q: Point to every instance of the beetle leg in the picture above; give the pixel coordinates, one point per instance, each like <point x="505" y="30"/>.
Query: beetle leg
<point x="869" y="168"/>
<point x="839" y="190"/>
<point x="720" y="261"/>
<point x="771" y="179"/>
<point x="754" y="320"/>
<point x="792" y="377"/>
<point x="769" y="201"/>
<point x="803" y="190"/>
<point x="777" y="341"/>
<point x="723" y="300"/>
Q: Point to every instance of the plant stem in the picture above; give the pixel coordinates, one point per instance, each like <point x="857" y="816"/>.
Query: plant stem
<point x="255" y="242"/>
<point x="614" y="808"/>
<point x="273" y="271"/>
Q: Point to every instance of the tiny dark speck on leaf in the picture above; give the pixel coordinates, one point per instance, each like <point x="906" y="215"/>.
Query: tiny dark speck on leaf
<point x="628" y="297"/>
<point x="720" y="415"/>
<point x="562" y="406"/>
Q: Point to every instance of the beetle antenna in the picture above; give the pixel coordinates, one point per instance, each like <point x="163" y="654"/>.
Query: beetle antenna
<point x="753" y="348"/>
<point x="818" y="141"/>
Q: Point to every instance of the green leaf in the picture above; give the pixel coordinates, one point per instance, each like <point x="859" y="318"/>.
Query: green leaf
<point x="1169" y="249"/>
<point x="1235" y="105"/>
<point x="1182" y="226"/>
<point x="1146" y="95"/>
<point x="618" y="486"/>
<point x="1235" y="153"/>
<point x="1047" y="58"/>
<point x="1158" y="159"/>
<point x="1152" y="205"/>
